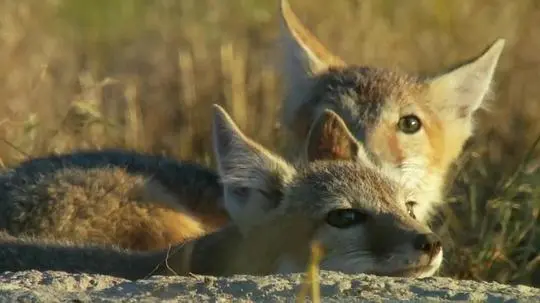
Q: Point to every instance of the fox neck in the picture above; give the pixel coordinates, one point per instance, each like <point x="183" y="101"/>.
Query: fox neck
<point x="207" y="255"/>
<point x="281" y="246"/>
<point x="229" y="252"/>
<point x="429" y="197"/>
<point x="422" y="185"/>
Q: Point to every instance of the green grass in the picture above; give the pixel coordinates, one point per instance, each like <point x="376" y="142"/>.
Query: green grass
<point x="142" y="74"/>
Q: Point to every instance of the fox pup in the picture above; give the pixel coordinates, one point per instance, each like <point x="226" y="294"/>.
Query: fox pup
<point x="124" y="198"/>
<point x="416" y="125"/>
<point x="357" y="211"/>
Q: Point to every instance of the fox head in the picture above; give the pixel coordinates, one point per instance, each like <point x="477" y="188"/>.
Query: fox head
<point x="357" y="210"/>
<point x="416" y="125"/>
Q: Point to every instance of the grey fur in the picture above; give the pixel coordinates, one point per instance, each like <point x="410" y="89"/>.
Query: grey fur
<point x="66" y="196"/>
<point x="372" y="101"/>
<point x="385" y="243"/>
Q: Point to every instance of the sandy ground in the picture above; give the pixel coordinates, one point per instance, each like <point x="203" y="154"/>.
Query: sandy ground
<point x="50" y="286"/>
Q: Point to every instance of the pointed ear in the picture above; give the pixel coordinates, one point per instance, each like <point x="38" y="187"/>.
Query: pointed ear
<point x="466" y="86"/>
<point x="330" y="139"/>
<point x="235" y="152"/>
<point x="253" y="178"/>
<point x="305" y="53"/>
<point x="303" y="56"/>
<point x="226" y="137"/>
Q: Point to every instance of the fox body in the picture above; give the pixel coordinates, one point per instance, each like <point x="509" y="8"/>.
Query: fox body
<point x="357" y="211"/>
<point x="124" y="198"/>
<point x="414" y="124"/>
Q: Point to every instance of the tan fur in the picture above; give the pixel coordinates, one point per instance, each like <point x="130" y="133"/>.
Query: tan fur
<point x="297" y="206"/>
<point x="372" y="100"/>
<point x="338" y="174"/>
<point x="110" y="204"/>
<point x="104" y="206"/>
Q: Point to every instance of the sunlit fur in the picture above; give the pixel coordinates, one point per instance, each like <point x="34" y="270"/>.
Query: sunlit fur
<point x="124" y="198"/>
<point x="287" y="215"/>
<point x="383" y="245"/>
<point x="371" y="101"/>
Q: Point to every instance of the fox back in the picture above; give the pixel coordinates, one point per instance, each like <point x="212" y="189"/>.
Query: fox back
<point x="356" y="210"/>
<point x="414" y="124"/>
<point x="119" y="197"/>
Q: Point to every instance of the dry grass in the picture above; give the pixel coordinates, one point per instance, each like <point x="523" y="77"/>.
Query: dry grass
<point x="311" y="283"/>
<point x="142" y="75"/>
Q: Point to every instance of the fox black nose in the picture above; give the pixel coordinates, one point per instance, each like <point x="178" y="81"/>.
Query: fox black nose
<point x="428" y="243"/>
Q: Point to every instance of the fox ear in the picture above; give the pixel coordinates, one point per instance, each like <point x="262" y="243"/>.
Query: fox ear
<point x="253" y="178"/>
<point x="240" y="159"/>
<point x="303" y="56"/>
<point x="466" y="85"/>
<point x="227" y="139"/>
<point x="306" y="54"/>
<point x="330" y="139"/>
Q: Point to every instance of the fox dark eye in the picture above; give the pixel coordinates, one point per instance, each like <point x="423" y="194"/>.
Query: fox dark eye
<point x="274" y="197"/>
<point x="344" y="218"/>
<point x="409" y="124"/>
<point x="240" y="191"/>
<point x="410" y="208"/>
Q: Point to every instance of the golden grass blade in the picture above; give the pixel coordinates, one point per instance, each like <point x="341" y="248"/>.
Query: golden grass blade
<point x="311" y="280"/>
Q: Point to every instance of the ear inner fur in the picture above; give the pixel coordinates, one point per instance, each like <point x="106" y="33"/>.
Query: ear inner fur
<point x="329" y="139"/>
<point x="469" y="83"/>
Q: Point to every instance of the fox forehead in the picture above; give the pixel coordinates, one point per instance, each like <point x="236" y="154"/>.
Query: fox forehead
<point x="360" y="94"/>
<point x="327" y="185"/>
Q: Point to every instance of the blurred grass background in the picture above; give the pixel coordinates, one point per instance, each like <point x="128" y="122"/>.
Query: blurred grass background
<point x="140" y="74"/>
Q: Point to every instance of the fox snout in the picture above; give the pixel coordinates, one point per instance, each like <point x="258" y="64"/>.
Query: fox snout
<point x="428" y="243"/>
<point x="403" y="247"/>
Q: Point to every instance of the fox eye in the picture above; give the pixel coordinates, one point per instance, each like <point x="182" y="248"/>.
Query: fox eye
<point x="409" y="124"/>
<point x="344" y="218"/>
<point x="240" y="191"/>
<point x="410" y="208"/>
<point x="274" y="197"/>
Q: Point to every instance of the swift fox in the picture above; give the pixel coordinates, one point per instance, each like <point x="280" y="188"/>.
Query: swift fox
<point x="124" y="198"/>
<point x="369" y="228"/>
<point x="416" y="125"/>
